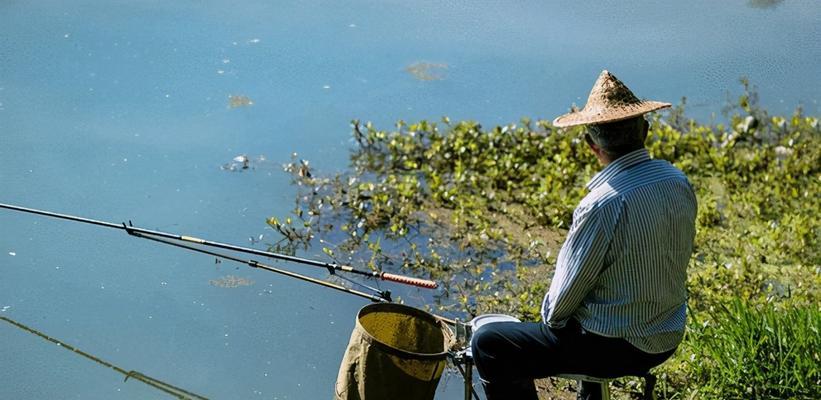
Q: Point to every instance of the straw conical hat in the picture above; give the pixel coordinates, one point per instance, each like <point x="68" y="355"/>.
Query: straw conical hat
<point x="609" y="101"/>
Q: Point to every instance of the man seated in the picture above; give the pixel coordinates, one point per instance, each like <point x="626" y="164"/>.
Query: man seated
<point x="617" y="302"/>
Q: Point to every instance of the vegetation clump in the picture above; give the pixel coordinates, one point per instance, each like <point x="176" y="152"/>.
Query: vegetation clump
<point x="484" y="211"/>
<point x="425" y="71"/>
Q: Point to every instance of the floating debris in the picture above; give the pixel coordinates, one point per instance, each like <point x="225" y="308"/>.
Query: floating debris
<point x="255" y="240"/>
<point x="425" y="71"/>
<point x="304" y="171"/>
<point x="4" y="308"/>
<point x="242" y="162"/>
<point x="236" y="101"/>
<point x="242" y="159"/>
<point x="231" y="281"/>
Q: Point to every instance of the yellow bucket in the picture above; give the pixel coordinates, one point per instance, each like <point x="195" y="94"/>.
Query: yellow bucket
<point x="395" y="352"/>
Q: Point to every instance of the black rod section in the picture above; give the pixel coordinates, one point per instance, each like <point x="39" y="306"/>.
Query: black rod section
<point x="148" y="233"/>
<point x="191" y="239"/>
<point x="133" y="229"/>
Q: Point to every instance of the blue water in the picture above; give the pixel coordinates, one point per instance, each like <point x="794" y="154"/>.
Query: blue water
<point x="119" y="110"/>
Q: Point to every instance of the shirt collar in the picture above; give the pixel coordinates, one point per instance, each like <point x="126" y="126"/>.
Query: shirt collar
<point x="614" y="168"/>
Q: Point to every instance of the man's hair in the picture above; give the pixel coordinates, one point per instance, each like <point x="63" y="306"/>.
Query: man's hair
<point x="620" y="137"/>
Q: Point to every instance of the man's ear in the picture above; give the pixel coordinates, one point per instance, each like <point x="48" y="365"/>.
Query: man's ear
<point x="590" y="143"/>
<point x="595" y="148"/>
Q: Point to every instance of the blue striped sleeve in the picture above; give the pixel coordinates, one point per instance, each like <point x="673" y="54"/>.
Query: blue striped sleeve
<point x="581" y="260"/>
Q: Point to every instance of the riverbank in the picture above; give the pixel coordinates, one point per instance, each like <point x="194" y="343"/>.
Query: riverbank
<point x="484" y="211"/>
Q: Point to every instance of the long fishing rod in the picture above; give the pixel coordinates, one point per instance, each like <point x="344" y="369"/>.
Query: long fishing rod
<point x="146" y="233"/>
<point x="381" y="296"/>
<point x="159" y="236"/>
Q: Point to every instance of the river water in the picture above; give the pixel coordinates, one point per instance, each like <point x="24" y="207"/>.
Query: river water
<point x="134" y="110"/>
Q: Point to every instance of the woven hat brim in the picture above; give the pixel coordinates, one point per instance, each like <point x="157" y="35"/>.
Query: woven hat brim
<point x="586" y="117"/>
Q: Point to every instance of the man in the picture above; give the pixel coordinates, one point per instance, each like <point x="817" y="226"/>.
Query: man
<point x="617" y="302"/>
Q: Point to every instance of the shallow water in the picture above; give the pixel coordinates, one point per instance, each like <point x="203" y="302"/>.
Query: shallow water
<point x="123" y="110"/>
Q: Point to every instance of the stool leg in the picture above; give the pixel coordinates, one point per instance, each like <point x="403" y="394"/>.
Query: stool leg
<point x="605" y="390"/>
<point x="468" y="380"/>
<point x="649" y="387"/>
<point x="594" y="390"/>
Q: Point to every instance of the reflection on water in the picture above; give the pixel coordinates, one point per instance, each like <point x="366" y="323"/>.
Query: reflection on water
<point x="231" y="281"/>
<point x="166" y="387"/>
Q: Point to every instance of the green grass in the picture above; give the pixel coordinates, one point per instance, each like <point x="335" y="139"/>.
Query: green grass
<point x="762" y="352"/>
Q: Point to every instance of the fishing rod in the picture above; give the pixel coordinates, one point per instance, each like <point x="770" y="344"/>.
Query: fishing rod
<point x="381" y="296"/>
<point x="148" y="233"/>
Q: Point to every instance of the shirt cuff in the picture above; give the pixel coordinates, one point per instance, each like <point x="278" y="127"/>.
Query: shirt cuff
<point x="557" y="324"/>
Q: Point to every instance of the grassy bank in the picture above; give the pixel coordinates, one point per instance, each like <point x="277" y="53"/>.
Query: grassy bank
<point x="484" y="212"/>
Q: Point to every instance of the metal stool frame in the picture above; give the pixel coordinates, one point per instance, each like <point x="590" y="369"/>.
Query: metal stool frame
<point x="649" y="383"/>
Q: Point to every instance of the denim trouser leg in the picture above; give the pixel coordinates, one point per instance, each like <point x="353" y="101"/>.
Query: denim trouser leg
<point x="509" y="355"/>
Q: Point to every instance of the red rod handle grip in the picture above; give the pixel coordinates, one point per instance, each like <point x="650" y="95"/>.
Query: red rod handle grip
<point x="408" y="280"/>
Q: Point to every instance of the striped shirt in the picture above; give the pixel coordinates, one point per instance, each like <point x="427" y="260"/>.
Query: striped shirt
<point x="622" y="269"/>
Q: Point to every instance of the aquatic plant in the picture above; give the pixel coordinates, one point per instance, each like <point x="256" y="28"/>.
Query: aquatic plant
<point x="236" y="101"/>
<point x="425" y="71"/>
<point x="230" y="281"/>
<point x="483" y="211"/>
<point x="763" y="3"/>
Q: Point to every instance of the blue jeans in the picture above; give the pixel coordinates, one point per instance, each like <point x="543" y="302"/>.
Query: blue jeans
<point x="510" y="355"/>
